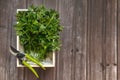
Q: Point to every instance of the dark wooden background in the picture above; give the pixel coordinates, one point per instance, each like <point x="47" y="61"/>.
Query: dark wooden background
<point x="90" y="40"/>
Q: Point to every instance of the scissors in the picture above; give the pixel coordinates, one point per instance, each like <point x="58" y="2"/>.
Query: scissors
<point x="22" y="57"/>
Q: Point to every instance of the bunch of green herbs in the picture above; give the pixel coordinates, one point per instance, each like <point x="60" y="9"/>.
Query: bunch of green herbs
<point x="38" y="30"/>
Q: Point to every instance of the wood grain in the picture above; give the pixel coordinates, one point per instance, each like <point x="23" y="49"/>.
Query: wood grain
<point x="110" y="39"/>
<point x="118" y="35"/>
<point x="95" y="23"/>
<point x="65" y="64"/>
<point x="50" y="3"/>
<point x="34" y="2"/>
<point x="90" y="40"/>
<point x="80" y="38"/>
<point x="5" y="29"/>
<point x="3" y="54"/>
<point x="15" y="73"/>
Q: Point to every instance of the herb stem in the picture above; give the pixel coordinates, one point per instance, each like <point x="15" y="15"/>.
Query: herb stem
<point x="50" y="19"/>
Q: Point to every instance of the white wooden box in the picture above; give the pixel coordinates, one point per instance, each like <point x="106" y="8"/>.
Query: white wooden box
<point x="46" y="63"/>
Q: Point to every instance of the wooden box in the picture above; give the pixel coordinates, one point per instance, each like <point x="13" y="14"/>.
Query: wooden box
<point x="46" y="63"/>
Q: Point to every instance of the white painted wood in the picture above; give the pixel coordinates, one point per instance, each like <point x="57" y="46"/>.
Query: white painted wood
<point x="45" y="64"/>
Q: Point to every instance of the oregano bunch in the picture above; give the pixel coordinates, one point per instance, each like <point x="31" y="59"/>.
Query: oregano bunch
<point x="38" y="30"/>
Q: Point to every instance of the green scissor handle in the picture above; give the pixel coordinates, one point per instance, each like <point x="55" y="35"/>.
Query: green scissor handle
<point x="35" y="61"/>
<point x="21" y="56"/>
<point x="32" y="69"/>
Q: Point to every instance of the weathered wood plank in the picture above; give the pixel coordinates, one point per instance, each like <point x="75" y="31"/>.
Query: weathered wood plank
<point x="34" y="2"/>
<point x="15" y="73"/>
<point x="5" y="29"/>
<point x="64" y="64"/>
<point x="80" y="30"/>
<point x="66" y="8"/>
<point x="95" y="23"/>
<point x="110" y="39"/>
<point x="118" y="36"/>
<point x="88" y="70"/>
<point x="4" y="13"/>
<point x="49" y="74"/>
<point x="3" y="52"/>
<point x="50" y="3"/>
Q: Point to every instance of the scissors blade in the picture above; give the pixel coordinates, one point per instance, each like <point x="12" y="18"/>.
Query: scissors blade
<point x="13" y="50"/>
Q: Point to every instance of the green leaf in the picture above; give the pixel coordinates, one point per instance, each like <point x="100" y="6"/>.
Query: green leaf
<point x="39" y="30"/>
